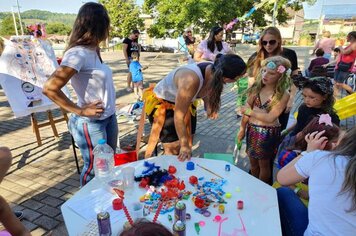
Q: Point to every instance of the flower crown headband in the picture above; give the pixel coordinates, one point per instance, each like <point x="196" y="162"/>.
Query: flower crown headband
<point x="325" y="119"/>
<point x="280" y="69"/>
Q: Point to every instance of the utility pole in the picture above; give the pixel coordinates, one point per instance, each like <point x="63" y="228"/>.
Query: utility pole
<point x="18" y="11"/>
<point x="274" y="13"/>
<point x="14" y="18"/>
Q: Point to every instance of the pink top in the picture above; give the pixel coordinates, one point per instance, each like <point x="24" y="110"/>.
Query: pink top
<point x="327" y="44"/>
<point x="209" y="55"/>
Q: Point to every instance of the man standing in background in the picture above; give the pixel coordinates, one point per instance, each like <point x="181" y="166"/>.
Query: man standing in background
<point x="130" y="44"/>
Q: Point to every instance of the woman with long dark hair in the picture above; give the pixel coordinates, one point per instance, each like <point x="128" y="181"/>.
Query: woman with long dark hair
<point x="171" y="104"/>
<point x="332" y="188"/>
<point x="214" y="45"/>
<point x="93" y="117"/>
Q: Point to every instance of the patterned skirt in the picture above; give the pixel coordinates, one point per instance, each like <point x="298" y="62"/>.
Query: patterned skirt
<point x="262" y="141"/>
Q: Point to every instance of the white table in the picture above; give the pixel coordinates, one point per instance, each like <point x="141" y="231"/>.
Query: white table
<point x="260" y="214"/>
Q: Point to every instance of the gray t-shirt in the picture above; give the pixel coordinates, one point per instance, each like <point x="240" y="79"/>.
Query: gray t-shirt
<point x="327" y="207"/>
<point x="94" y="79"/>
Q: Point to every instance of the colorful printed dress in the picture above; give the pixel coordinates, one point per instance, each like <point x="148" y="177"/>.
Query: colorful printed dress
<point x="262" y="141"/>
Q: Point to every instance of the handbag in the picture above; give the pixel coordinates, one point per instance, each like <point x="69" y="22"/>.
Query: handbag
<point x="343" y="66"/>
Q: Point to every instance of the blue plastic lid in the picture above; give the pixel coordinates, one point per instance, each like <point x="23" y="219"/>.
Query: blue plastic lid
<point x="102" y="141"/>
<point x="190" y="165"/>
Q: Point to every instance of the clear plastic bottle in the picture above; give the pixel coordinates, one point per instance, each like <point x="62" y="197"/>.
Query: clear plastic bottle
<point x="103" y="161"/>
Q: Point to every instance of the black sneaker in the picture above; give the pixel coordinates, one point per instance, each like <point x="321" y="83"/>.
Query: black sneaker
<point x="18" y="214"/>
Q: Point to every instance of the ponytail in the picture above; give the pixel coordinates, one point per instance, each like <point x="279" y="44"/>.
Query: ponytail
<point x="225" y="66"/>
<point x="216" y="87"/>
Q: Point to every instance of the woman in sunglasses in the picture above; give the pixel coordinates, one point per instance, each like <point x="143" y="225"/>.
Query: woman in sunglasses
<point x="214" y="45"/>
<point x="270" y="44"/>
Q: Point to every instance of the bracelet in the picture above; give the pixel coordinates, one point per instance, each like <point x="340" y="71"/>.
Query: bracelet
<point x="248" y="112"/>
<point x="296" y="190"/>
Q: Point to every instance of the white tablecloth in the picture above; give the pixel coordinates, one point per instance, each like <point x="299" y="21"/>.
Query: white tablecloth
<point x="260" y="215"/>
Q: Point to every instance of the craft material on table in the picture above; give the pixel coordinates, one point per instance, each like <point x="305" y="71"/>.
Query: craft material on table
<point x="265" y="213"/>
<point x="204" y="168"/>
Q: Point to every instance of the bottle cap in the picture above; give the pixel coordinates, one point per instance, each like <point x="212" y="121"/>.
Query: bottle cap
<point x="117" y="204"/>
<point x="190" y="165"/>
<point x="240" y="204"/>
<point x="102" y="141"/>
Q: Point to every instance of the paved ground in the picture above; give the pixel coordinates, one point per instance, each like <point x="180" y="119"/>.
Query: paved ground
<point x="42" y="178"/>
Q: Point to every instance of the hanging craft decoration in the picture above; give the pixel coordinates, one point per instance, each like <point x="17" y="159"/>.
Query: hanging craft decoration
<point x="230" y="25"/>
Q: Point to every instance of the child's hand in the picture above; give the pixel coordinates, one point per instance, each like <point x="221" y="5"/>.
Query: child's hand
<point x="315" y="141"/>
<point x="241" y="135"/>
<point x="244" y="110"/>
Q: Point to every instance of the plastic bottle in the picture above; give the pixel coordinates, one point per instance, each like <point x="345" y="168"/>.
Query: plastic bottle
<point x="103" y="161"/>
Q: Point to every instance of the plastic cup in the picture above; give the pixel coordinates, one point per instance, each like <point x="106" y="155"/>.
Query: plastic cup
<point x="136" y="211"/>
<point x="128" y="177"/>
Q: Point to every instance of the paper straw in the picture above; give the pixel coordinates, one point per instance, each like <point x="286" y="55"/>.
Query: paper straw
<point x="209" y="171"/>
<point x="157" y="212"/>
<point x="127" y="214"/>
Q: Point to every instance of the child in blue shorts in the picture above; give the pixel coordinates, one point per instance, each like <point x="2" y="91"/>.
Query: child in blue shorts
<point x="137" y="77"/>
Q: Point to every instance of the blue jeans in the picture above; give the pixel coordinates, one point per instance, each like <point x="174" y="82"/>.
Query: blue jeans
<point x="86" y="133"/>
<point x="292" y="211"/>
<point x="341" y="76"/>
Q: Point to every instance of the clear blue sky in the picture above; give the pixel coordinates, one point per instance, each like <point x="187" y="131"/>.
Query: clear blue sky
<point x="313" y="12"/>
<point x="72" y="6"/>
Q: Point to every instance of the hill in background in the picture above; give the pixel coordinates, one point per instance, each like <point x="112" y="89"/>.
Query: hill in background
<point x="56" y="23"/>
<point x="44" y="16"/>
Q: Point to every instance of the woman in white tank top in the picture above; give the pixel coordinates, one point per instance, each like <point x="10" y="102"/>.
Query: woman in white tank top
<point x="178" y="90"/>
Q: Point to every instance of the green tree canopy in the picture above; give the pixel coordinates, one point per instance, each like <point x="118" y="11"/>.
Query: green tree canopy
<point x="173" y="16"/>
<point x="124" y="16"/>
<point x="7" y="26"/>
<point x="58" y="28"/>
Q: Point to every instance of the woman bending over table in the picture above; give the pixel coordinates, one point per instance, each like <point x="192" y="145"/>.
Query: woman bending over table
<point x="171" y="105"/>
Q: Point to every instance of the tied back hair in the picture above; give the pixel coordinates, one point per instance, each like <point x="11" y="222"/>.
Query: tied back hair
<point x="347" y="148"/>
<point x="90" y="27"/>
<point x="225" y="66"/>
<point x="331" y="133"/>
<point x="211" y="40"/>
<point x="282" y="85"/>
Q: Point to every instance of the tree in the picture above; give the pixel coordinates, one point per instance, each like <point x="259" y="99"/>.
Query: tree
<point x="173" y="16"/>
<point x="58" y="28"/>
<point x="124" y="16"/>
<point x="7" y="26"/>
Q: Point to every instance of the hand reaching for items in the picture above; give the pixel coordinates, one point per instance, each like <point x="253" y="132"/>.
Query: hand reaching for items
<point x="185" y="153"/>
<point x="240" y="135"/>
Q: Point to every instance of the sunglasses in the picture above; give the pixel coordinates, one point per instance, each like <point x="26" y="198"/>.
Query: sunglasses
<point x="271" y="42"/>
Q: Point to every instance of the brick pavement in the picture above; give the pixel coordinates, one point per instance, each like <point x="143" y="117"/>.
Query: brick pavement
<point x="41" y="178"/>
